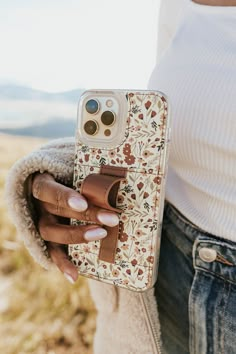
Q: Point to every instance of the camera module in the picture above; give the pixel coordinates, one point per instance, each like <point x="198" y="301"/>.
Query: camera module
<point x="92" y="106"/>
<point x="108" y="118"/>
<point x="91" y="127"/>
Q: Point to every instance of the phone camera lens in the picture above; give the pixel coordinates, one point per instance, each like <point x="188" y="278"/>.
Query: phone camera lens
<point x="91" y="127"/>
<point x="92" y="106"/>
<point x="108" y="118"/>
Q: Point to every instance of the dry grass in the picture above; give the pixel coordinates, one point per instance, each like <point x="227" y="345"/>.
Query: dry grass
<point x="40" y="312"/>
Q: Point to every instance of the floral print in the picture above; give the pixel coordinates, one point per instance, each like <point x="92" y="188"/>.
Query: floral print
<point x="140" y="195"/>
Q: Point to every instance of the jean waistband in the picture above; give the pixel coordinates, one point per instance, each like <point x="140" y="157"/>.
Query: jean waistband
<point x="183" y="224"/>
<point x="210" y="253"/>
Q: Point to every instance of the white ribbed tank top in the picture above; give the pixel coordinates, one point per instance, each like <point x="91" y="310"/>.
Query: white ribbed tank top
<point x="198" y="73"/>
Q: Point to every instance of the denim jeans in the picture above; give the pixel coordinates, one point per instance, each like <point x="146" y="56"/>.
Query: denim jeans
<point x="195" y="289"/>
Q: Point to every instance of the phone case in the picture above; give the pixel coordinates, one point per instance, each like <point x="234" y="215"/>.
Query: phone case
<point x="130" y="179"/>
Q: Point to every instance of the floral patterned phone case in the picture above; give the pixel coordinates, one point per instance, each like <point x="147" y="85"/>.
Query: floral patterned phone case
<point x="127" y="176"/>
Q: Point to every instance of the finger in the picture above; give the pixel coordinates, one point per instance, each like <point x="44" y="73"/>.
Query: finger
<point x="46" y="189"/>
<point x="61" y="259"/>
<point x="93" y="214"/>
<point x="50" y="230"/>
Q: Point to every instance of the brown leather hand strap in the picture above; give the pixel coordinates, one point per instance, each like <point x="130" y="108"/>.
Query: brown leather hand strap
<point x="101" y="190"/>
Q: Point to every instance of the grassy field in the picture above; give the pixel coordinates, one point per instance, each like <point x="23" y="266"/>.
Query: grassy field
<point x="40" y="312"/>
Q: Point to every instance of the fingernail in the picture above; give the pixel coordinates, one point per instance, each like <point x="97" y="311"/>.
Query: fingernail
<point x="108" y="219"/>
<point x="69" y="278"/>
<point x="77" y="204"/>
<point x="95" y="234"/>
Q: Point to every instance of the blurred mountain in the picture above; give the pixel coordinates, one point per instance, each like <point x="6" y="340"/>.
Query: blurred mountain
<point x="54" y="128"/>
<point x="17" y="92"/>
<point x="29" y="112"/>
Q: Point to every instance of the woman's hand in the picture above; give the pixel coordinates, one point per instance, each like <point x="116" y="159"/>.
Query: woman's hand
<point x="54" y="202"/>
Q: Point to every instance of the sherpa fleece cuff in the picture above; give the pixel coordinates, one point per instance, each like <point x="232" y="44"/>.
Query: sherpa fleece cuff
<point x="56" y="158"/>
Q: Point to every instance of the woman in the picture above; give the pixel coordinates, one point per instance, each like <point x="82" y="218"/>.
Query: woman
<point x="196" y="292"/>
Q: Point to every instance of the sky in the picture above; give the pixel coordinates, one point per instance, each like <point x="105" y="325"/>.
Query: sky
<point x="58" y="45"/>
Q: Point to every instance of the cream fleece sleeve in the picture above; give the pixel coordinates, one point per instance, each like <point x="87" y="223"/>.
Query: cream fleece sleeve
<point x="56" y="158"/>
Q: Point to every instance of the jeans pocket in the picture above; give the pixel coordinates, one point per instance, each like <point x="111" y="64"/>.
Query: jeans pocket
<point x="212" y="310"/>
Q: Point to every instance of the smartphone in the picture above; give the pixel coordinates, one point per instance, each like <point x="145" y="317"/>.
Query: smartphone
<point x="122" y="143"/>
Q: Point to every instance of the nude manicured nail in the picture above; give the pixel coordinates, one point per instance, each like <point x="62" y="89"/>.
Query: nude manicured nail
<point x="69" y="278"/>
<point x="108" y="219"/>
<point x="95" y="234"/>
<point x="77" y="204"/>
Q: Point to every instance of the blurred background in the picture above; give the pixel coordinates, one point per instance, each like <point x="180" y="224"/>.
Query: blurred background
<point x="51" y="51"/>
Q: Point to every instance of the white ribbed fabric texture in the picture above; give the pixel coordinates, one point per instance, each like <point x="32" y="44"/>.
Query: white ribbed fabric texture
<point x="197" y="71"/>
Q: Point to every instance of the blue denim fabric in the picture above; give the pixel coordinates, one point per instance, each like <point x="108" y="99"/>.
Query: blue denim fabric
<point x="196" y="299"/>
